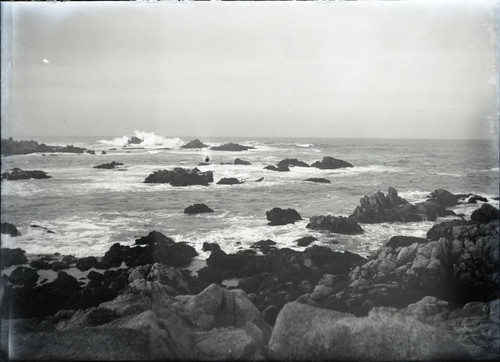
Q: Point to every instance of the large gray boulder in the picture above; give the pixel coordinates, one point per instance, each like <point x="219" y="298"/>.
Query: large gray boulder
<point x="303" y="332"/>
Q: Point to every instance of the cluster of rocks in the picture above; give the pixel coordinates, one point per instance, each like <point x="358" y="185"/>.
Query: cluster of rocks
<point x="326" y="163"/>
<point x="231" y="147"/>
<point x="110" y="165"/>
<point x="18" y="174"/>
<point x="181" y="177"/>
<point x="11" y="147"/>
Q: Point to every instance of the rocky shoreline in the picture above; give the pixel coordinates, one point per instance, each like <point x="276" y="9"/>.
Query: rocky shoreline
<point x="429" y="298"/>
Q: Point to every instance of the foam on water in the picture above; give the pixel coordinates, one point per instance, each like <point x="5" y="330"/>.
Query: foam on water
<point x="149" y="140"/>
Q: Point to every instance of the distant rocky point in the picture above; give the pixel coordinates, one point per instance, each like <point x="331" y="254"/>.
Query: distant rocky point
<point x="11" y="147"/>
<point x="231" y="147"/>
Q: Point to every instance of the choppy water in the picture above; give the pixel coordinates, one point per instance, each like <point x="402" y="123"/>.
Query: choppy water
<point x="90" y="209"/>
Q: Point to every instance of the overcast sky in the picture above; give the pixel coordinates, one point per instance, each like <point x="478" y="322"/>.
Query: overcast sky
<point x="355" y="69"/>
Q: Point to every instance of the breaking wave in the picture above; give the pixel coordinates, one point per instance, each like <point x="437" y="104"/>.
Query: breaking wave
<point x="148" y="140"/>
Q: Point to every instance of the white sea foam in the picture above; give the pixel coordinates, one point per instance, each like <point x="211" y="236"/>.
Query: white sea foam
<point x="414" y="196"/>
<point x="149" y="140"/>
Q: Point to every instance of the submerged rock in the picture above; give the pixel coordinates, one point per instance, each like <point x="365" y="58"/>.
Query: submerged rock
<point x="197" y="209"/>
<point x="233" y="147"/>
<point x="195" y="144"/>
<point x="335" y="224"/>
<point x="331" y="163"/>
<point x="278" y="216"/>
<point x="303" y="332"/>
<point x="18" y="174"/>
<point x="9" y="229"/>
<point x="181" y="177"/>
<point x="109" y="165"/>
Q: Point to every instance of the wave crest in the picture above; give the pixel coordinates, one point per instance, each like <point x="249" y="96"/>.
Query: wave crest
<point x="149" y="140"/>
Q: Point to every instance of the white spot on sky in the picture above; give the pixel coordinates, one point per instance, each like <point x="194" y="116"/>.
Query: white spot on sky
<point x="45" y="60"/>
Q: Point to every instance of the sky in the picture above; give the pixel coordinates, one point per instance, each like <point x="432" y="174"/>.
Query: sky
<point x="293" y="69"/>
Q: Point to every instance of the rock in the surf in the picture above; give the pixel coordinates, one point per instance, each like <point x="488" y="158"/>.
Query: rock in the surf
<point x="331" y="163"/>
<point x="287" y="162"/>
<point x="241" y="162"/>
<point x="9" y="229"/>
<point x="134" y="140"/>
<point x="229" y="181"/>
<point x="18" y="174"/>
<point x="318" y="180"/>
<point x="485" y="213"/>
<point x="181" y="177"/>
<point x="305" y="241"/>
<point x="335" y="224"/>
<point x="197" y="209"/>
<point x="110" y="165"/>
<point x="196" y="143"/>
<point x="232" y="147"/>
<point x="279" y="216"/>
<point x="278" y="169"/>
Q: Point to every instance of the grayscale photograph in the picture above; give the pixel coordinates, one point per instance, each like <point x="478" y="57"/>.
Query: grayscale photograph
<point x="250" y="180"/>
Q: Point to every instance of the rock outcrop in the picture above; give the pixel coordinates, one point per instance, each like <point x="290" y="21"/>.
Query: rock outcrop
<point x="303" y="332"/>
<point x="229" y="181"/>
<point x="181" y="177"/>
<point x="232" y="147"/>
<point x="110" y="165"/>
<point x="11" y="147"/>
<point x="318" y="180"/>
<point x="287" y="162"/>
<point x="328" y="163"/>
<point x="197" y="209"/>
<point x="278" y="216"/>
<point x="195" y="144"/>
<point x="9" y="229"/>
<point x="335" y="224"/>
<point x="18" y="174"/>
<point x="241" y="162"/>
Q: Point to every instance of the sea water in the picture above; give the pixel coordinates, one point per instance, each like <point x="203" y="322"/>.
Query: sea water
<point x="90" y="209"/>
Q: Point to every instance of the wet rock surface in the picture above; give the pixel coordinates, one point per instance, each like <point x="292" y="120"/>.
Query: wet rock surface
<point x="18" y="174"/>
<point x="9" y="229"/>
<point x="181" y="177"/>
<point x="196" y="143"/>
<point x="197" y="209"/>
<point x="335" y="224"/>
<point x="279" y="216"/>
<point x="329" y="163"/>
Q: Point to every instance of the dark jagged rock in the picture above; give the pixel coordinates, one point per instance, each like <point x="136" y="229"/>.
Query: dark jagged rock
<point x="181" y="177"/>
<point x="318" y="180"/>
<point x="287" y="162"/>
<point x="278" y="216"/>
<point x="233" y="147"/>
<point x="278" y="169"/>
<point x="109" y="166"/>
<point x="134" y="140"/>
<point x="335" y="224"/>
<point x="259" y="179"/>
<point x="444" y="229"/>
<point x="195" y="144"/>
<point x="104" y="153"/>
<point x="391" y="208"/>
<point x="23" y="276"/>
<point x="59" y="265"/>
<point x="153" y="238"/>
<point x="401" y="241"/>
<point x="40" y="264"/>
<point x="265" y="246"/>
<point x="210" y="246"/>
<point x="18" y="174"/>
<point x="475" y="198"/>
<point x="241" y="162"/>
<point x="446" y="198"/>
<point x="197" y="209"/>
<point x="95" y="276"/>
<point x="305" y="241"/>
<point x="9" y="229"/>
<point x="10" y="257"/>
<point x="331" y="163"/>
<point x="229" y="181"/>
<point x="11" y="147"/>
<point x="87" y="262"/>
<point x="485" y="213"/>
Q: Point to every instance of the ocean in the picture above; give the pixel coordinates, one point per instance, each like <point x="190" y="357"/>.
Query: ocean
<point x="89" y="209"/>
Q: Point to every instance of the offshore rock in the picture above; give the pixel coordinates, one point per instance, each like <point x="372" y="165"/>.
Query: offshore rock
<point x="241" y="162"/>
<point x="446" y="198"/>
<point x="305" y="241"/>
<point x="485" y="214"/>
<point x="18" y="174"/>
<point x="278" y="216"/>
<point x="197" y="209"/>
<point x="335" y="224"/>
<point x="233" y="147"/>
<point x="318" y="180"/>
<point x="134" y="140"/>
<point x="278" y="169"/>
<point x="303" y="332"/>
<point x="287" y="162"/>
<point x="9" y="229"/>
<point x="331" y="163"/>
<point x="229" y="181"/>
<point x="110" y="165"/>
<point x="195" y="144"/>
<point x="154" y="237"/>
<point x="181" y="177"/>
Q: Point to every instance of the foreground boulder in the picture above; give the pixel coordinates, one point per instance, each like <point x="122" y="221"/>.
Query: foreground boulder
<point x="109" y="166"/>
<point x="233" y="147"/>
<point x="278" y="216"/>
<point x="303" y="332"/>
<point x="10" y="257"/>
<point x="335" y="224"/>
<point x="197" y="209"/>
<point x="485" y="214"/>
<point x="9" y="229"/>
<point x="195" y="144"/>
<point x="18" y="174"/>
<point x="181" y="177"/>
<point x="331" y="163"/>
